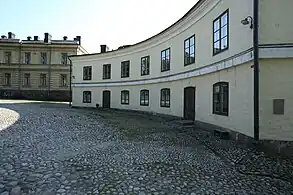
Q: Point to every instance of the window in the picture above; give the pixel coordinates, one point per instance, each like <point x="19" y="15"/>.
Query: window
<point x="26" y="79"/>
<point x="125" y="69"/>
<point x="221" y="98"/>
<point x="220" y="33"/>
<point x="189" y="51"/>
<point x="144" y="97"/>
<point x="165" y="60"/>
<point x="145" y="65"/>
<point x="87" y="97"/>
<point x="107" y="71"/>
<point x="43" y="80"/>
<point x="7" y="59"/>
<point x="63" y="58"/>
<point x="27" y="57"/>
<point x="7" y="79"/>
<point x="63" y="80"/>
<point x="165" y="97"/>
<point x="87" y="73"/>
<point x="43" y="58"/>
<point x="124" y="97"/>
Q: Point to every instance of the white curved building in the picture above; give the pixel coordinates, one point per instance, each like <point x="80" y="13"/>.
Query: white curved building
<point x="201" y="68"/>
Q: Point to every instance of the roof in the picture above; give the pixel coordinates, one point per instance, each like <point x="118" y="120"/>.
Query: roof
<point x="162" y="32"/>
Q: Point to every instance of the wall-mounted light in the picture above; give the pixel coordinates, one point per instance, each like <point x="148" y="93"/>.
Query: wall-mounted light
<point x="73" y="77"/>
<point x="248" y="20"/>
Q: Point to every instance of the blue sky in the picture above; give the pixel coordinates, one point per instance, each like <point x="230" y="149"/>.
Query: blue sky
<point x="111" y="22"/>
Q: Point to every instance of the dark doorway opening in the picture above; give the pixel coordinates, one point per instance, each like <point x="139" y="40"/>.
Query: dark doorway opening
<point x="189" y="103"/>
<point x="106" y="99"/>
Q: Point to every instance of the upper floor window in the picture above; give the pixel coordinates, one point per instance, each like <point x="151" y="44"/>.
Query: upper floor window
<point x="63" y="80"/>
<point x="7" y="79"/>
<point x="165" y="60"/>
<point x="189" y="51"/>
<point x="124" y="97"/>
<point x="144" y="97"/>
<point x="43" y="58"/>
<point x="221" y="33"/>
<point x="125" y="69"/>
<point x="107" y="71"/>
<point x="7" y="59"/>
<point x="27" y="57"/>
<point x="43" y="80"/>
<point x="63" y="58"/>
<point x="87" y="73"/>
<point x="87" y="97"/>
<point x="221" y="98"/>
<point x="145" y="65"/>
<point x="26" y="79"/>
<point x="165" y="97"/>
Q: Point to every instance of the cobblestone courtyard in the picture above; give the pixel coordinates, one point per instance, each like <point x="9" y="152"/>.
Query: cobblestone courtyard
<point x="49" y="149"/>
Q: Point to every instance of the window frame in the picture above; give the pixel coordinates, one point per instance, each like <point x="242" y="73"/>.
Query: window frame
<point x="147" y="69"/>
<point x="106" y="72"/>
<point x="221" y="101"/>
<point x="220" y="33"/>
<point x="86" y="94"/>
<point x="42" y="76"/>
<point x="64" y="60"/>
<point x="123" y="63"/>
<point x="44" y="62"/>
<point x="124" y="97"/>
<point x="163" y="101"/>
<point x="27" y="54"/>
<point x="9" y="79"/>
<point x="7" y="57"/>
<point x="189" y="46"/>
<point x="87" y="73"/>
<point x="26" y="77"/>
<point x="169" y="64"/>
<point x="144" y="97"/>
<point x="63" y="77"/>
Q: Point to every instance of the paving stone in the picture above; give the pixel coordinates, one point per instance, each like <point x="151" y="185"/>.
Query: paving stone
<point x="54" y="149"/>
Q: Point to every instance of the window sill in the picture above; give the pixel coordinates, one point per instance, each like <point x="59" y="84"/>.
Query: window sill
<point x="165" y="106"/>
<point x="144" y="105"/>
<point x="189" y="64"/>
<point x="125" y="77"/>
<point x="165" y="70"/>
<point x="106" y="78"/>
<point x="144" y="75"/>
<point x="87" y="102"/>
<point x="221" y="114"/>
<point x="124" y="103"/>
<point x="221" y="51"/>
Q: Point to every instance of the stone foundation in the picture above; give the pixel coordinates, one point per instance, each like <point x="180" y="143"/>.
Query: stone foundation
<point x="268" y="146"/>
<point x="41" y="95"/>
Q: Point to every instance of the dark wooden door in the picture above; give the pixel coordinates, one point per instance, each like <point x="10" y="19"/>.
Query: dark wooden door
<point x="106" y="99"/>
<point x="189" y="103"/>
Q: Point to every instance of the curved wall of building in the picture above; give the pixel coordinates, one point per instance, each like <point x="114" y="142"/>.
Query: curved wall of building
<point x="223" y="82"/>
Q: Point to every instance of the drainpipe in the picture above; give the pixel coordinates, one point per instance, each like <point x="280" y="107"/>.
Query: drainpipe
<point x="70" y="80"/>
<point x="256" y="68"/>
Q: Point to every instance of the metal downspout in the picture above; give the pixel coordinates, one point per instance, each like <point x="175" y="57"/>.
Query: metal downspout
<point x="256" y="68"/>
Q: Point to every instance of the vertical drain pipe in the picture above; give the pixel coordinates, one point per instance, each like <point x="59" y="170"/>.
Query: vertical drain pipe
<point x="256" y="68"/>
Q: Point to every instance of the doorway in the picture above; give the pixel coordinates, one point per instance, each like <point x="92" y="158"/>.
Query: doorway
<point x="106" y="99"/>
<point x="189" y="103"/>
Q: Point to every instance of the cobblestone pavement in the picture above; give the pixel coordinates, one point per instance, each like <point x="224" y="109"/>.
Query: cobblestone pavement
<point x="51" y="149"/>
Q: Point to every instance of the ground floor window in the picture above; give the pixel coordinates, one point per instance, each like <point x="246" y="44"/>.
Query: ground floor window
<point x="165" y="97"/>
<point x="221" y="98"/>
<point x="87" y="97"/>
<point x="144" y="97"/>
<point x="124" y="97"/>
